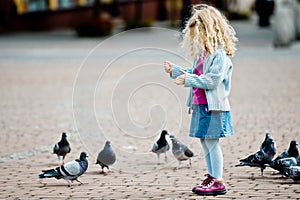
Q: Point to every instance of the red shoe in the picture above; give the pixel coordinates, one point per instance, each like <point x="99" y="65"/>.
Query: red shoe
<point x="214" y="187"/>
<point x="207" y="180"/>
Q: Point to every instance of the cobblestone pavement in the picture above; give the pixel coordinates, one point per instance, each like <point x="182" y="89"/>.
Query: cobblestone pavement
<point x="43" y="93"/>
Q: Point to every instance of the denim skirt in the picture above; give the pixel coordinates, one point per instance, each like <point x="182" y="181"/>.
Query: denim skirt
<point x="210" y="124"/>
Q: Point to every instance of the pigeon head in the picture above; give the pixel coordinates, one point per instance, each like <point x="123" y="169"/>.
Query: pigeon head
<point x="293" y="149"/>
<point x="63" y="135"/>
<point x="83" y="155"/>
<point x="107" y="143"/>
<point x="172" y="137"/>
<point x="174" y="140"/>
<point x="293" y="143"/>
<point x="164" y="133"/>
<point x="268" y="138"/>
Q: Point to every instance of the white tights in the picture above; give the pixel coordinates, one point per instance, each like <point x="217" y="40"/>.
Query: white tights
<point x="213" y="157"/>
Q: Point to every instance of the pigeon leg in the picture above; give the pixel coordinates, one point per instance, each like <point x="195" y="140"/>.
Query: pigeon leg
<point x="102" y="171"/>
<point x="179" y="163"/>
<point x="158" y="159"/>
<point x="69" y="183"/>
<point x="80" y="183"/>
<point x="63" y="160"/>
<point x="262" y="172"/>
<point x="110" y="170"/>
<point x="190" y="162"/>
<point x="58" y="158"/>
<point x="166" y="158"/>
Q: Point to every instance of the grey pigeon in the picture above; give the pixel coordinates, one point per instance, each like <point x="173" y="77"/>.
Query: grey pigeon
<point x="106" y="157"/>
<point x="262" y="157"/>
<point x="161" y="146"/>
<point x="69" y="171"/>
<point x="181" y="151"/>
<point x="285" y="157"/>
<point x="62" y="148"/>
<point x="291" y="152"/>
<point x="293" y="172"/>
<point x="280" y="164"/>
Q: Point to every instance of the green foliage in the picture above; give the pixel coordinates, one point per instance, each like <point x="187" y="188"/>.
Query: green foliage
<point x="131" y="24"/>
<point x="237" y="15"/>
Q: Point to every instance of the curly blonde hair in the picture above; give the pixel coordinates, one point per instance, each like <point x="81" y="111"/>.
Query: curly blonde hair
<point x="206" y="30"/>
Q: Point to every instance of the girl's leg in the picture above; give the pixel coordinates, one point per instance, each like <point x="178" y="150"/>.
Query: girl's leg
<point x="215" y="156"/>
<point x="213" y="184"/>
<point x="207" y="156"/>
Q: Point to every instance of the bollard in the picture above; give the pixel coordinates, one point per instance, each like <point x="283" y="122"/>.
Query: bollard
<point x="284" y="23"/>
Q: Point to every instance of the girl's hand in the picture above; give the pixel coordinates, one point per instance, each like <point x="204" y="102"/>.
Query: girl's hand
<point x="180" y="80"/>
<point x="168" y="67"/>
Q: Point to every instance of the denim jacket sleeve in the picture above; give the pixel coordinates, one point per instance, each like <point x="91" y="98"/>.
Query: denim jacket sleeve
<point x="212" y="75"/>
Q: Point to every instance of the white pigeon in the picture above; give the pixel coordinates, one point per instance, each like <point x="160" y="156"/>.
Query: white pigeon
<point x="106" y="157"/>
<point x="161" y="146"/>
<point x="180" y="151"/>
<point x="70" y="171"/>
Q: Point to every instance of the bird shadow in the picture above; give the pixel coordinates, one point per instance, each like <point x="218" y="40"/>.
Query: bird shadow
<point x="154" y="163"/>
<point x="98" y="173"/>
<point x="258" y="177"/>
<point x="287" y="183"/>
<point x="50" y="185"/>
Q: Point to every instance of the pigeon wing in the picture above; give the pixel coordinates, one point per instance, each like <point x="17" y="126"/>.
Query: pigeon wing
<point x="72" y="169"/>
<point x="188" y="152"/>
<point x="107" y="157"/>
<point x="154" y="147"/>
<point x="293" y="172"/>
<point x="56" y="149"/>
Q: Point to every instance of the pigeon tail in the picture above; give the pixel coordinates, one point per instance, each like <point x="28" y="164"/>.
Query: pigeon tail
<point x="51" y="173"/>
<point x="56" y="149"/>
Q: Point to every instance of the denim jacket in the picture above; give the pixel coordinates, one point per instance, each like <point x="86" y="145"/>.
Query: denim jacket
<point x="215" y="80"/>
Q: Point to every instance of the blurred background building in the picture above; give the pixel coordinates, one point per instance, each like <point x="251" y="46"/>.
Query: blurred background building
<point x="99" y="17"/>
<point x="16" y="15"/>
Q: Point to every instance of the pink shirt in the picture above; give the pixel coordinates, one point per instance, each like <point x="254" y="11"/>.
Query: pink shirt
<point x="199" y="96"/>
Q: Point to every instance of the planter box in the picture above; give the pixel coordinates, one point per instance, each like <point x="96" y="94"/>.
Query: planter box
<point x="47" y="20"/>
<point x="148" y="9"/>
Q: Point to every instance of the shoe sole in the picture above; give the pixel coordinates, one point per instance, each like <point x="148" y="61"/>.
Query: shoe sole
<point x="222" y="192"/>
<point x="194" y="189"/>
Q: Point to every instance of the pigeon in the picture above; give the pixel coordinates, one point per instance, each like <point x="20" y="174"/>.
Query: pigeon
<point x="291" y="152"/>
<point x="293" y="172"/>
<point x="284" y="157"/>
<point x="161" y="146"/>
<point x="106" y="157"/>
<point x="62" y="148"/>
<point x="181" y="151"/>
<point x="280" y="164"/>
<point x="262" y="157"/>
<point x="69" y="171"/>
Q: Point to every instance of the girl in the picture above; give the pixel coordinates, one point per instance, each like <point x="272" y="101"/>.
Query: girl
<point x="211" y="41"/>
